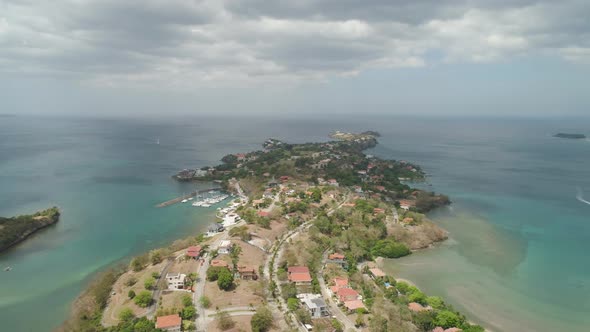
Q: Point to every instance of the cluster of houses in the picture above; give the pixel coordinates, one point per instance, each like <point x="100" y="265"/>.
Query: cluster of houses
<point x="340" y="288"/>
<point x="314" y="303"/>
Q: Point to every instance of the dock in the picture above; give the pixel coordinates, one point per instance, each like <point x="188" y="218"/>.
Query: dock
<point x="192" y="194"/>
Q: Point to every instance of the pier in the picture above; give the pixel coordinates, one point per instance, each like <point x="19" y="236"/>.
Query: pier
<point x="192" y="194"/>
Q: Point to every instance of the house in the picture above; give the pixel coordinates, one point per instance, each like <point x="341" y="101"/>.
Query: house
<point x="224" y="247"/>
<point x="219" y="263"/>
<point x="377" y="273"/>
<point x="247" y="273"/>
<point x="354" y="305"/>
<point x="407" y="221"/>
<point x="337" y="259"/>
<point x="231" y="218"/>
<point x="299" y="275"/>
<point x="241" y="156"/>
<point x="216" y="228"/>
<point x="321" y="181"/>
<point x="194" y="251"/>
<point x="380" y="188"/>
<point x="416" y="307"/>
<point x="406" y="204"/>
<point x="263" y="214"/>
<point x="333" y="182"/>
<point x="339" y="282"/>
<point x="315" y="304"/>
<point x="347" y="294"/>
<point x="175" y="280"/>
<point x="284" y="178"/>
<point x="170" y="323"/>
<point x="378" y="211"/>
<point x="257" y="202"/>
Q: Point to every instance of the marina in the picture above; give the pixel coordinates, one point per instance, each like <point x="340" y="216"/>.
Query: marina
<point x="186" y="198"/>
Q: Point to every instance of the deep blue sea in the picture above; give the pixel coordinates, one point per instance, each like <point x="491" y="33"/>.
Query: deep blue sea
<point x="516" y="259"/>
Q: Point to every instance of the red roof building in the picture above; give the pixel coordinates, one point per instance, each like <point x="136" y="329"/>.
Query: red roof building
<point x="354" y="305"/>
<point x="378" y="211"/>
<point x="298" y="269"/>
<point x="219" y="263"/>
<point x="347" y="294"/>
<point x="194" y="251"/>
<point x="263" y="214"/>
<point x="336" y="256"/>
<point x="169" y="323"/>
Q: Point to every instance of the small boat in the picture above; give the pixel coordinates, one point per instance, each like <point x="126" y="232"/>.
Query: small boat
<point x="190" y="198"/>
<point x="8" y="268"/>
<point x="184" y="201"/>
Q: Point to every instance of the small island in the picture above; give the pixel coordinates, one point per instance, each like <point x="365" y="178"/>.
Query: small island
<point x="570" y="136"/>
<point x="16" y="229"/>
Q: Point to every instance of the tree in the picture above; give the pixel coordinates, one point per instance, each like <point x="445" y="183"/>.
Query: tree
<point x="447" y="319"/>
<point x="213" y="272"/>
<point x="138" y="263"/>
<point x="156" y="257"/>
<point x="143" y="299"/>
<point x="303" y="315"/>
<point x="292" y="304"/>
<point x="131" y="281"/>
<point x="390" y="249"/>
<point x="225" y="280"/>
<point x="126" y="315"/>
<point x="144" y="325"/>
<point x="224" y="321"/>
<point x="262" y="320"/>
<point x="205" y="302"/>
<point x="187" y="301"/>
<point x="188" y="313"/>
<point x="131" y="294"/>
<point x="436" y="302"/>
<point x="155" y="275"/>
<point x="424" y="320"/>
<point x="149" y="283"/>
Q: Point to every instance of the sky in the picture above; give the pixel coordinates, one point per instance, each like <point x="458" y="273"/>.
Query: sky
<point x="406" y="57"/>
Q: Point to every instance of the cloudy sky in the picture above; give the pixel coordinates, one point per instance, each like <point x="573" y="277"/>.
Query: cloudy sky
<point x="517" y="57"/>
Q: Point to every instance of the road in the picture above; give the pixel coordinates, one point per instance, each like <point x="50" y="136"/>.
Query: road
<point x="278" y="252"/>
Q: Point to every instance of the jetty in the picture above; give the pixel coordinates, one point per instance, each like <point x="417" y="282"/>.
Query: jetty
<point x="192" y="194"/>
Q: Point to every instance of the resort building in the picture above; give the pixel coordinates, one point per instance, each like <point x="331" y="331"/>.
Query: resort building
<point x="224" y="247"/>
<point x="171" y="323"/>
<point x="175" y="280"/>
<point x="416" y="307"/>
<point x="315" y="304"/>
<point x="406" y="204"/>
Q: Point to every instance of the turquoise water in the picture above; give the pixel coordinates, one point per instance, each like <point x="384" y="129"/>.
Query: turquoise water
<point x="516" y="259"/>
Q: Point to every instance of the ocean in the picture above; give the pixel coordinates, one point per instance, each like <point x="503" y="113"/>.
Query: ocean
<point x="516" y="257"/>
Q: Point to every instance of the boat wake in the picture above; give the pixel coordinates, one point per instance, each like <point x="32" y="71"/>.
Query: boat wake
<point x="580" y="197"/>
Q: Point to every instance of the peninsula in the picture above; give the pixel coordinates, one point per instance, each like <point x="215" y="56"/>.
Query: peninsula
<point x="296" y="249"/>
<point x="16" y="229"/>
<point x="570" y="136"/>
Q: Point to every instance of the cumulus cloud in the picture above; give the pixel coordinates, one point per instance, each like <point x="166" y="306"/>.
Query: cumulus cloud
<point x="187" y="42"/>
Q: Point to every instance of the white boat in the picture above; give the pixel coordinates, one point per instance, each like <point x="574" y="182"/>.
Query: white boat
<point x="8" y="268"/>
<point x="184" y="201"/>
<point x="190" y="198"/>
<point x="206" y="205"/>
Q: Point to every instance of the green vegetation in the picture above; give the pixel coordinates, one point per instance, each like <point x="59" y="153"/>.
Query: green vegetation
<point x="262" y="320"/>
<point x="225" y="280"/>
<point x="126" y="315"/>
<point x="389" y="248"/>
<point x="149" y="283"/>
<point x="131" y="294"/>
<point x="143" y="299"/>
<point x="205" y="301"/>
<point x="16" y="229"/>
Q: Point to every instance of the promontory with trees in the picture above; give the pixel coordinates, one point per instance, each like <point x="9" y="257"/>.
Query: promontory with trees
<point x="327" y="210"/>
<point x="16" y="229"/>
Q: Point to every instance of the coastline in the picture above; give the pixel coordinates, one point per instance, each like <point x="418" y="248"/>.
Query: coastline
<point x="42" y="219"/>
<point x="414" y="225"/>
